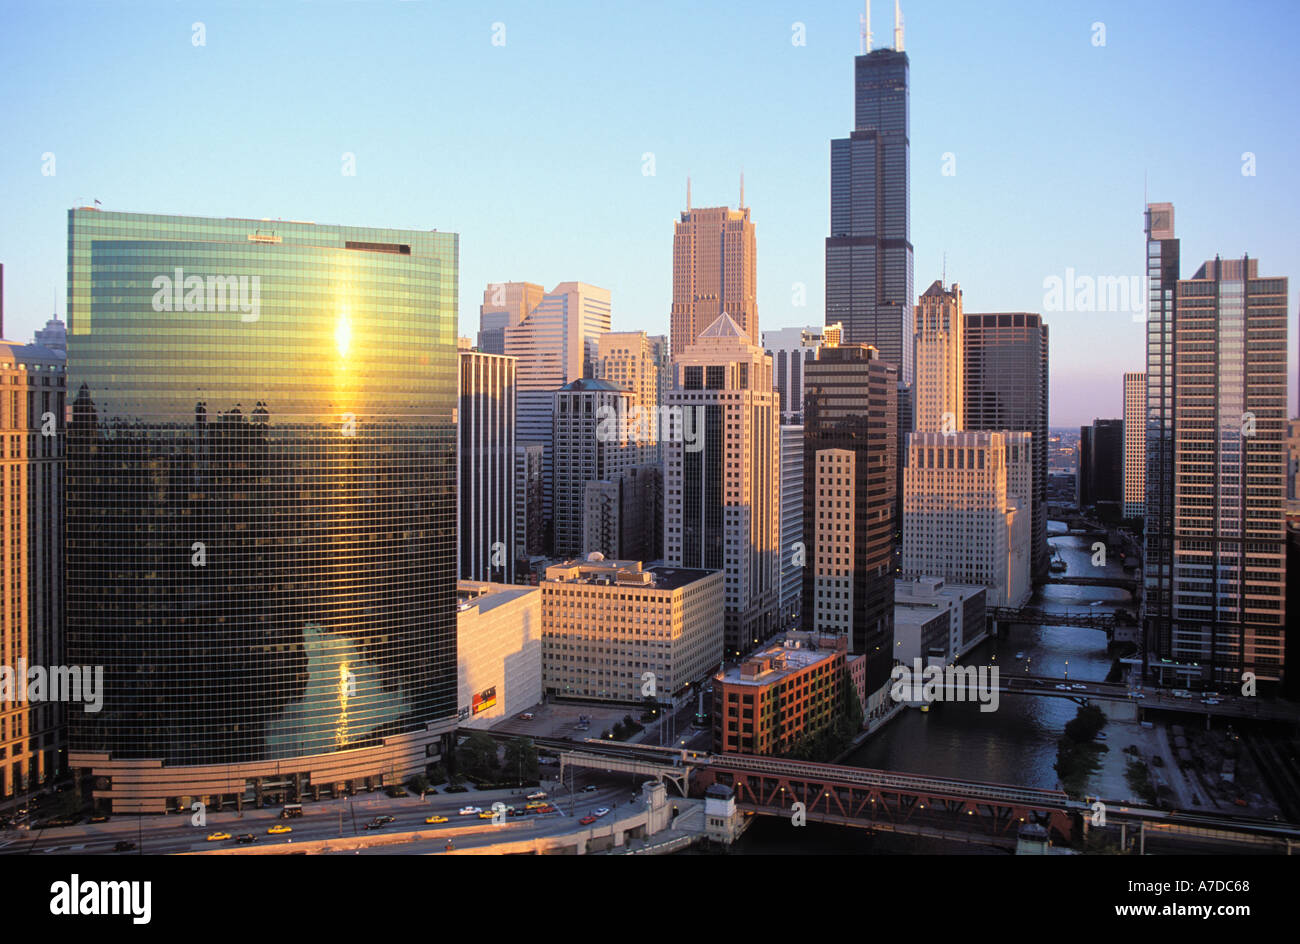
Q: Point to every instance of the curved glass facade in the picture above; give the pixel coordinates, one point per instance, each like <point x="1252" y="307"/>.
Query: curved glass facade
<point x="260" y="538"/>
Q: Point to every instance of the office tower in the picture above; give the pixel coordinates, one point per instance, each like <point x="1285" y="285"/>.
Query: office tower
<point x="794" y="550"/>
<point x="850" y="404"/>
<point x="1163" y="271"/>
<point x="485" y="462"/>
<point x="1292" y="462"/>
<point x="1006" y="389"/>
<point x="505" y="305"/>
<point x="529" y="486"/>
<point x="960" y="610"/>
<point x="261" y="511"/>
<point x="722" y="477"/>
<point x="964" y="502"/>
<point x="498" y="651"/>
<point x="869" y="250"/>
<point x="938" y="393"/>
<point x="32" y="733"/>
<point x="606" y="623"/>
<point x="1135" y="443"/>
<point x="791" y="349"/>
<point x="1101" y="468"/>
<point x="634" y="361"/>
<point x="54" y="335"/>
<point x="554" y="344"/>
<point x="714" y="272"/>
<point x="1229" y="607"/>
<point x="591" y="442"/>
<point x="623" y="515"/>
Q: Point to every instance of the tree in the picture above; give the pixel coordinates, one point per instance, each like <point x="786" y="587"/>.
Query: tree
<point x="476" y="757"/>
<point x="521" y="760"/>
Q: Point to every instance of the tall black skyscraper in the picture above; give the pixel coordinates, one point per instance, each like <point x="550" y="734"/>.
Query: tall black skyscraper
<point x="869" y="250"/>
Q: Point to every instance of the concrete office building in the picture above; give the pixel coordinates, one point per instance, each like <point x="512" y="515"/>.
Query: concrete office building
<point x="850" y="405"/>
<point x="722" y="492"/>
<point x="498" y="651"/>
<point x="791" y="349"/>
<point x="939" y="391"/>
<point x="961" y="624"/>
<point x="963" y="506"/>
<point x="794" y="549"/>
<point x="485" y="466"/>
<point x="591" y="444"/>
<point x="556" y="343"/>
<point x="32" y="733"/>
<point x="606" y="623"/>
<point x="528" y="488"/>
<point x="1135" y="443"/>
<point x="1006" y="388"/>
<point x="714" y="272"/>
<point x="623" y="515"/>
<point x="505" y="305"/>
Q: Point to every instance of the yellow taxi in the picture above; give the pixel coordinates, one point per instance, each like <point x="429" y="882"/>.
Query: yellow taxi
<point x="279" y="828"/>
<point x="213" y="837"/>
<point x="435" y="819"/>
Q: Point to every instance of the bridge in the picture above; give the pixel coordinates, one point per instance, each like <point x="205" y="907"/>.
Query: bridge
<point x="886" y="801"/>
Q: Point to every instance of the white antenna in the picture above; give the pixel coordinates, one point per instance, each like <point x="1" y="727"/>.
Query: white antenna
<point x="688" y="194"/>
<point x="898" y="28"/>
<point x="742" y="190"/>
<point x="865" y="23"/>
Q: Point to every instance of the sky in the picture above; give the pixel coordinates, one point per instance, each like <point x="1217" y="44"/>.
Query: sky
<point x="557" y="137"/>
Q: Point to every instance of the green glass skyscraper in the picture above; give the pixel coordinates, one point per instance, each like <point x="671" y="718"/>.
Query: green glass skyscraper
<point x="261" y="501"/>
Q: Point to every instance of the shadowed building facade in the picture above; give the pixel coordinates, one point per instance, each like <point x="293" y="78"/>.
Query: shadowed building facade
<point x="261" y="506"/>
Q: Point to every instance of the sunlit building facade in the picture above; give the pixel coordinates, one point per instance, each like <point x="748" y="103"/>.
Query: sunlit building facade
<point x="261" y="506"/>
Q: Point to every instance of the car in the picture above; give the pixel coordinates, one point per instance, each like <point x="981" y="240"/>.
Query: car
<point x="1079" y="688"/>
<point x="435" y="818"/>
<point x="1181" y="693"/>
<point x="1211" y="701"/>
<point x="486" y="814"/>
<point x="600" y="811"/>
<point x="385" y="820"/>
<point x="590" y="788"/>
<point x="470" y="810"/>
<point x="1062" y="688"/>
<point x="1136" y="695"/>
<point x="1101" y="736"/>
<point x="214" y="837"/>
<point x="99" y="818"/>
<point x="546" y="809"/>
<point x="246" y="838"/>
<point x="279" y="829"/>
<point x="539" y="795"/>
<point x="587" y="820"/>
<point x="124" y="845"/>
<point x="526" y="716"/>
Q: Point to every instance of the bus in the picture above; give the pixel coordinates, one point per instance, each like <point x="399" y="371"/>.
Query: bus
<point x="291" y="811"/>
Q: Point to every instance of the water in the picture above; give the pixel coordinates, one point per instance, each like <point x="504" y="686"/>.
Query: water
<point x="1015" y="744"/>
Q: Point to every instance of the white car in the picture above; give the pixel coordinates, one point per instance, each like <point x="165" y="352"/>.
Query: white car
<point x="1136" y="695"/>
<point x="1079" y="688"/>
<point x="1062" y="688"/>
<point x="600" y="811"/>
<point x="470" y="810"/>
<point x="1210" y="701"/>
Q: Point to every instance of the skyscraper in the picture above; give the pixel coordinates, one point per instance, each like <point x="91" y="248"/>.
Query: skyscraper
<point x="722" y="477"/>
<point x="261" y="511"/>
<point x="794" y="547"/>
<point x="634" y="361"/>
<point x="869" y="250"/>
<point x="791" y="349"/>
<point x="485" y="462"/>
<point x="1135" y="441"/>
<point x="714" y="271"/>
<point x="1101" y="468"/>
<point x="557" y="342"/>
<point x="591" y="444"/>
<point x="505" y="305"/>
<point x="850" y="405"/>
<point x="940" y="360"/>
<point x="1229" y="603"/>
<point x="32" y="733"/>
<point x="1006" y="389"/>
<point x="1163" y="270"/>
<point x="965" y="504"/>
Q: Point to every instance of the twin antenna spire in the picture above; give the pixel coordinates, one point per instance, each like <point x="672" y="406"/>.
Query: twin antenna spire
<point x="742" y="192"/>
<point x="865" y="21"/>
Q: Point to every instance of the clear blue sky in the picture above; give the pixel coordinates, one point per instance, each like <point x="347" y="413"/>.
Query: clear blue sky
<point x="532" y="151"/>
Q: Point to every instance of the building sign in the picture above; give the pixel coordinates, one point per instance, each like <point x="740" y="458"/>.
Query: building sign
<point x="485" y="699"/>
